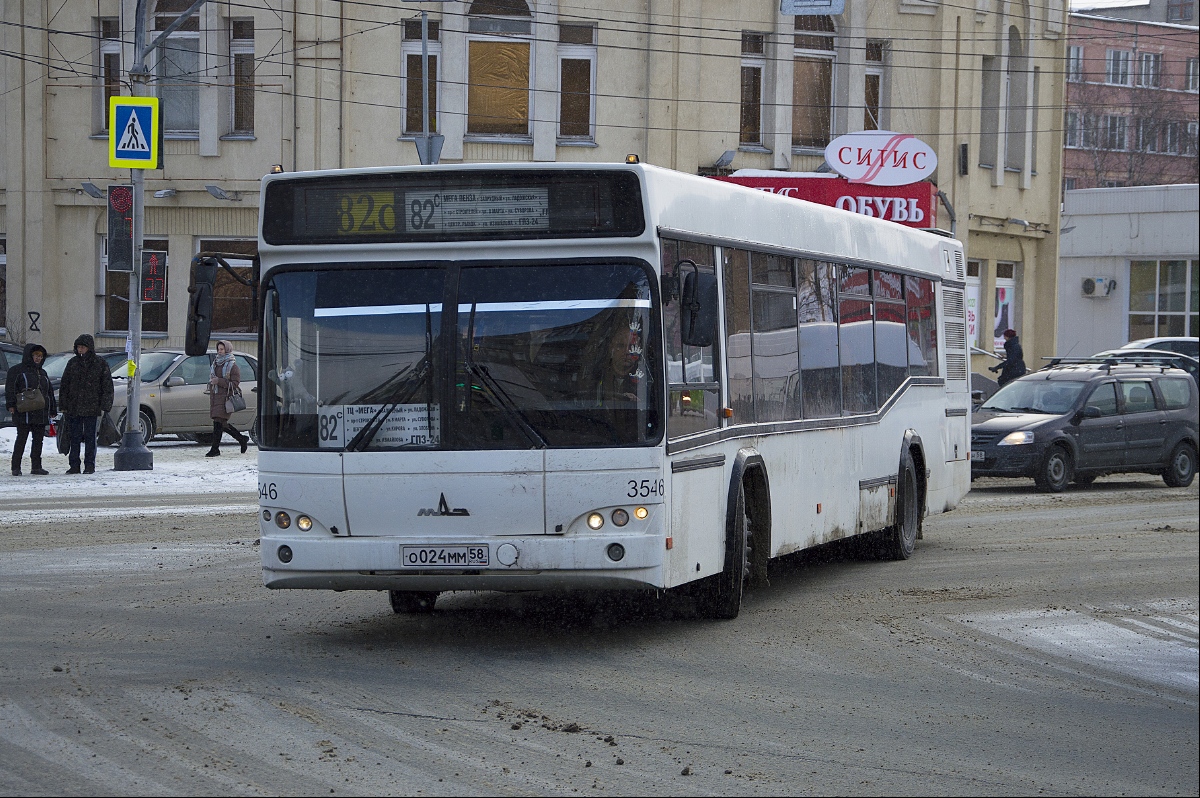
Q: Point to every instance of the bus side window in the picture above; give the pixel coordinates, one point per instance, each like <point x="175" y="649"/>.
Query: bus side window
<point x="693" y="398"/>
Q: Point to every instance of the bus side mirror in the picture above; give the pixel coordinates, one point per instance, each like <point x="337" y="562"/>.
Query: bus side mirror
<point x="200" y="305"/>
<point x="698" y="309"/>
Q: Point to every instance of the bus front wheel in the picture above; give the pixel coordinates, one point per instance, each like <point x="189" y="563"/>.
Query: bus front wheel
<point x="721" y="595"/>
<point x="408" y="602"/>
<point x="901" y="538"/>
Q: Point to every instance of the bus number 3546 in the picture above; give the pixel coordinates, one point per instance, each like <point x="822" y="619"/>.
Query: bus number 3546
<point x="645" y="488"/>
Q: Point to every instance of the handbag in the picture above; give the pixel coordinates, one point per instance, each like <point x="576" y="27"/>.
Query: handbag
<point x="235" y="402"/>
<point x="30" y="400"/>
<point x="107" y="434"/>
<point x="64" y="434"/>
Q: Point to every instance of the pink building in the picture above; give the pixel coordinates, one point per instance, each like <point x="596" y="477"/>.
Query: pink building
<point x="1133" y="89"/>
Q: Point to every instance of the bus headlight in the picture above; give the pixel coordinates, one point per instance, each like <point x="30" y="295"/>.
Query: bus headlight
<point x="640" y="513"/>
<point x="620" y="517"/>
<point x="303" y="523"/>
<point x="282" y="520"/>
<point x="595" y="521"/>
<point x="1016" y="439"/>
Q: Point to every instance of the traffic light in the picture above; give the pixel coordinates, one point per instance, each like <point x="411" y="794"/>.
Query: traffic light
<point x="154" y="276"/>
<point x="120" y="228"/>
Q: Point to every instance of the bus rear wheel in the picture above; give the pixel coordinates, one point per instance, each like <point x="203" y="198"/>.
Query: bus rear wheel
<point x="721" y="594"/>
<point x="901" y="539"/>
<point x="409" y="602"/>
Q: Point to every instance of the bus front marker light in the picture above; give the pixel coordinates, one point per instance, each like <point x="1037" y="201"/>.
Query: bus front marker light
<point x="640" y="513"/>
<point x="303" y="523"/>
<point x="595" y="520"/>
<point x="266" y="515"/>
<point x="620" y="517"/>
<point x="615" y="552"/>
<point x="284" y="553"/>
<point x="282" y="520"/>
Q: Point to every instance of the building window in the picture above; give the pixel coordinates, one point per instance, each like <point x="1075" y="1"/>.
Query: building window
<point x="1149" y="69"/>
<point x="177" y="69"/>
<point x="1172" y="139"/>
<point x="1115" y="129"/>
<point x="109" y="77"/>
<point x="1016" y="101"/>
<point x="1004" y="310"/>
<point x="241" y="53"/>
<point x="1146" y="133"/>
<point x="974" y="308"/>
<point x="1069" y="183"/>
<point x="812" y="86"/>
<point x="234" y="295"/>
<point x="116" y="296"/>
<point x="753" y="63"/>
<point x="873" y="85"/>
<point x="3" y="285"/>
<point x="1180" y="10"/>
<point x="989" y="112"/>
<point x="1193" y="129"/>
<point x="1164" y="298"/>
<point x="1075" y="64"/>
<point x="1073" y="133"/>
<point x="1192" y="81"/>
<point x="414" y="90"/>
<point x="498" y="68"/>
<point x="576" y="81"/>
<point x="1116" y="67"/>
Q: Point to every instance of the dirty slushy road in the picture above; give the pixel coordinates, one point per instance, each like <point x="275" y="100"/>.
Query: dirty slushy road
<point x="1035" y="643"/>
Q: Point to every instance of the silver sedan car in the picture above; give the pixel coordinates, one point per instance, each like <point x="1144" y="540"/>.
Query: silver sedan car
<point x="173" y="399"/>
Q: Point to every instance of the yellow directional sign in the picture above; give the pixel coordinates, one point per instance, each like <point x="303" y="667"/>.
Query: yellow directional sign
<point x="133" y="132"/>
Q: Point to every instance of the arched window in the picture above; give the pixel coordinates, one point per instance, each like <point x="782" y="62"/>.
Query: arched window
<point x="498" y="68"/>
<point x="1016" y="85"/>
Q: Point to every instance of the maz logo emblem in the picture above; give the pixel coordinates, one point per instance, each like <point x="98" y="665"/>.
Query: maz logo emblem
<point x="443" y="509"/>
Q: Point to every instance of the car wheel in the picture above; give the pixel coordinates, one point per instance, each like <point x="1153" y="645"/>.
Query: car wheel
<point x="1056" y="471"/>
<point x="406" y="602"/>
<point x="1181" y="467"/>
<point x="147" y="426"/>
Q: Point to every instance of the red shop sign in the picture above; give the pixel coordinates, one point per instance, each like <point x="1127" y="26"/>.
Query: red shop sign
<point x="914" y="205"/>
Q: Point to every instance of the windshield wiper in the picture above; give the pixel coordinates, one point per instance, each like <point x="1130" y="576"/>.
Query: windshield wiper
<point x="405" y="379"/>
<point x="500" y="397"/>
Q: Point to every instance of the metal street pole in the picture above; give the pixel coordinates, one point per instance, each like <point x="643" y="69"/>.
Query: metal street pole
<point x="132" y="454"/>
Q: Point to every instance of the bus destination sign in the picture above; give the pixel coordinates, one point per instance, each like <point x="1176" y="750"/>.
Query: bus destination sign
<point x="478" y="210"/>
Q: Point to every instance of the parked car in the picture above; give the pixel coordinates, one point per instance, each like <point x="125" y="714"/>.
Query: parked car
<point x="172" y="395"/>
<point x="10" y="355"/>
<point x="1189" y="364"/>
<point x="1080" y="421"/>
<point x="1181" y="344"/>
<point x="57" y="363"/>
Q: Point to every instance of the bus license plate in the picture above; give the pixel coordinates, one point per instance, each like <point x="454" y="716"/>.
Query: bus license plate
<point x="977" y="456"/>
<point x="443" y="556"/>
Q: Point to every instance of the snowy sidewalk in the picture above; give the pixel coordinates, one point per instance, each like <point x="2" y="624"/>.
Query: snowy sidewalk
<point x="179" y="468"/>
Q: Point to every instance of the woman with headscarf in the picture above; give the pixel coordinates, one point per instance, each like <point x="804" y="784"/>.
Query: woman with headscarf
<point x="26" y="376"/>
<point x="223" y="382"/>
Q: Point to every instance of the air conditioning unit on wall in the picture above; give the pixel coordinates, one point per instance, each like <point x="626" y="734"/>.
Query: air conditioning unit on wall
<point x="1098" y="287"/>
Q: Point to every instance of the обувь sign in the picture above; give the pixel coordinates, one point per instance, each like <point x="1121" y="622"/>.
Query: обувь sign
<point x="881" y="158"/>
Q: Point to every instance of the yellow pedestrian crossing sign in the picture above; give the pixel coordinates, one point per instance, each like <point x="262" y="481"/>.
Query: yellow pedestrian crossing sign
<point x="133" y="132"/>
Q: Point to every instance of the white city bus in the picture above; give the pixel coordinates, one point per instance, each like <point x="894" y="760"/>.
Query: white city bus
<point x="557" y="376"/>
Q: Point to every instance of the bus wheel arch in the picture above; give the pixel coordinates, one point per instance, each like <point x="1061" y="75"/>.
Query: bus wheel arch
<point x="747" y="538"/>
<point x="916" y="449"/>
<point x="900" y="539"/>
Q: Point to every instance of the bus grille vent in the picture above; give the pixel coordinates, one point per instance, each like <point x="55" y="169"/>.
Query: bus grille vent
<point x="953" y="302"/>
<point x="956" y="366"/>
<point x="958" y="262"/>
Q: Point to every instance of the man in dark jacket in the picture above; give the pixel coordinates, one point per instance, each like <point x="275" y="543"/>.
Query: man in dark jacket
<point x="1013" y="365"/>
<point x="29" y="375"/>
<point x="86" y="391"/>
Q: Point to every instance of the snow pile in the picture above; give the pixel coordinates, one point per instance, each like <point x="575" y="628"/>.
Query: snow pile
<point x="179" y="468"/>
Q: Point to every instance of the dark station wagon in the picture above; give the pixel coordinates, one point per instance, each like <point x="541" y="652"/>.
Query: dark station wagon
<point x="1081" y="420"/>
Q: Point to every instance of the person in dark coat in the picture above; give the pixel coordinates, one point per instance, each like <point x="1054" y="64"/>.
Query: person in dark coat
<point x="224" y="379"/>
<point x="86" y="392"/>
<point x="1013" y="365"/>
<point x="29" y="374"/>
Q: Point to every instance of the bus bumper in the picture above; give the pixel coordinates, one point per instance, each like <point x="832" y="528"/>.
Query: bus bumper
<point x="547" y="562"/>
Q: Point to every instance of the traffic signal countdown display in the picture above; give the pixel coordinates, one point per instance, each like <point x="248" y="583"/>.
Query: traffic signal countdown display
<point x="154" y="276"/>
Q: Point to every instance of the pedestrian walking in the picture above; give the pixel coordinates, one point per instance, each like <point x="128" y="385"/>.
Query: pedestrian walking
<point x="224" y="383"/>
<point x="86" y="391"/>
<point x="1013" y="365"/>
<point x="30" y="399"/>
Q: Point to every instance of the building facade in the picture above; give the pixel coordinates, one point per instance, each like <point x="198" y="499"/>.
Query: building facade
<point x="695" y="85"/>
<point x="1130" y="266"/>
<point x="1133" y="91"/>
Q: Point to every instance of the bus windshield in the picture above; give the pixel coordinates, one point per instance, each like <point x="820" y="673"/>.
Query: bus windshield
<point x="436" y="356"/>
